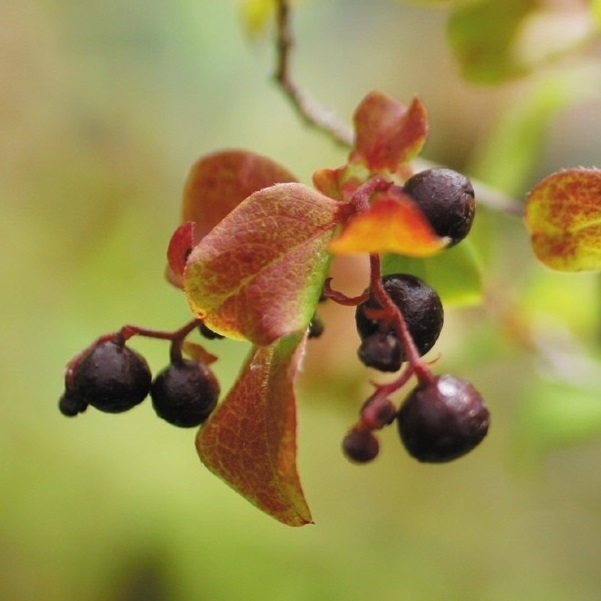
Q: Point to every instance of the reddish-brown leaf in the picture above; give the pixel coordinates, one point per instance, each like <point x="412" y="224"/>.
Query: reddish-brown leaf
<point x="259" y="273"/>
<point x="563" y="216"/>
<point x="218" y="182"/>
<point x="388" y="134"/>
<point x="393" y="224"/>
<point x="250" y="439"/>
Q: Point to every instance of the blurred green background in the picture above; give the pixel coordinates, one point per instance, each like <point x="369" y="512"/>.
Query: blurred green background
<point x="103" y="107"/>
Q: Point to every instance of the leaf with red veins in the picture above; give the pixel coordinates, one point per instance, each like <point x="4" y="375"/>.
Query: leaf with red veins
<point x="563" y="216"/>
<point x="216" y="184"/>
<point x="393" y="224"/>
<point x="250" y="439"/>
<point x="388" y="134"/>
<point x="259" y="273"/>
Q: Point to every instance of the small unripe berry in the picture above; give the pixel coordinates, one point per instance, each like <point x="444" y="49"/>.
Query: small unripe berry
<point x="111" y="377"/>
<point x="70" y="405"/>
<point x="442" y="419"/>
<point x="382" y="351"/>
<point x="360" y="446"/>
<point x="315" y="328"/>
<point x="447" y="200"/>
<point x="185" y="393"/>
<point x="422" y="311"/>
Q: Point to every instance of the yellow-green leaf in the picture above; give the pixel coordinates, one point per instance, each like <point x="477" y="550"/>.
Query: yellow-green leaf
<point x="563" y="216"/>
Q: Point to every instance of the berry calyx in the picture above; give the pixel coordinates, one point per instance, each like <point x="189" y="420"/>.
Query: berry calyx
<point x="447" y="200"/>
<point x="442" y="419"/>
<point x="360" y="446"/>
<point x="185" y="393"/>
<point x="111" y="377"/>
<point x="422" y="311"/>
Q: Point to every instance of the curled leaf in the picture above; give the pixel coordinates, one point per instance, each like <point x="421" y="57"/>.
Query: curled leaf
<point x="388" y="134"/>
<point x="393" y="224"/>
<point x="563" y="216"/>
<point x="250" y="439"/>
<point x="259" y="273"/>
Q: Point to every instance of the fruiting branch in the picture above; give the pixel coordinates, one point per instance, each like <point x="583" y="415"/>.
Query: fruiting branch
<point x="327" y="121"/>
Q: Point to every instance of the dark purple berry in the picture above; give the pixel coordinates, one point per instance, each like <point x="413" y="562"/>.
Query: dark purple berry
<point x="422" y="311"/>
<point x="447" y="200"/>
<point x="185" y="393"/>
<point x="112" y="377"/>
<point x="442" y="419"/>
<point x="360" y="446"/>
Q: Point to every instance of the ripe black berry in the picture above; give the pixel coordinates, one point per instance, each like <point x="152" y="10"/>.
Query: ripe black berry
<point x="422" y="311"/>
<point x="185" y="393"/>
<point x="447" y="200"/>
<point x="360" y="446"/>
<point x="112" y="378"/>
<point x="442" y="420"/>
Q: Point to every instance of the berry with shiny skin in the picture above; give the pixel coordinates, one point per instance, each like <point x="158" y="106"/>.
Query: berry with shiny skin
<point x="422" y="311"/>
<point x="185" y="393"/>
<point x="111" y="377"/>
<point x="360" y="446"/>
<point x="447" y="200"/>
<point x="442" y="419"/>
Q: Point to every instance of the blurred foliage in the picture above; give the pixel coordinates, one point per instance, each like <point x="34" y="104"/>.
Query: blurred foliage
<point x="103" y="108"/>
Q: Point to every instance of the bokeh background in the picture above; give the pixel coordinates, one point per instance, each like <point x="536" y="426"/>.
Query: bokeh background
<point x="103" y="107"/>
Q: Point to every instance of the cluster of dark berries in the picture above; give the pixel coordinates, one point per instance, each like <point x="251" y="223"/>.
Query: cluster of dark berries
<point x="443" y="417"/>
<point x="114" y="378"/>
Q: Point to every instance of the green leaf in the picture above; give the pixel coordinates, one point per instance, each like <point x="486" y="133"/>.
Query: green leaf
<point x="454" y="273"/>
<point x="482" y="35"/>
<point x="563" y="216"/>
<point x="259" y="273"/>
<point x="250" y="439"/>
<point x="519" y="137"/>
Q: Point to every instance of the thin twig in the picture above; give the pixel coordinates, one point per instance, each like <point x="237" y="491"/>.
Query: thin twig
<point x="309" y="110"/>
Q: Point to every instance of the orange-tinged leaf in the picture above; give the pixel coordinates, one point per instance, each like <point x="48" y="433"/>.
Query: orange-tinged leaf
<point x="250" y="439"/>
<point x="219" y="182"/>
<point x="563" y="216"/>
<point x="342" y="182"/>
<point x="388" y="134"/>
<point x="259" y="273"/>
<point x="391" y="225"/>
